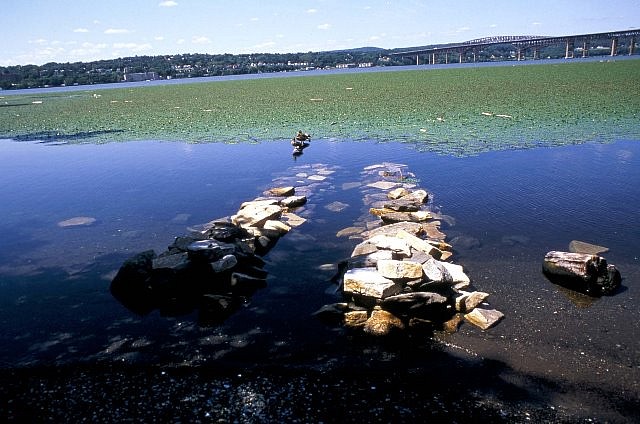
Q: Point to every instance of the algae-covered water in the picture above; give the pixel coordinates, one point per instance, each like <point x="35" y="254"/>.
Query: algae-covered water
<point x="460" y="110"/>
<point x="508" y="190"/>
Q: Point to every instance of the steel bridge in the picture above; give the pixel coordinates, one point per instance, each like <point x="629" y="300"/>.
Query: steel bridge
<point x="523" y="43"/>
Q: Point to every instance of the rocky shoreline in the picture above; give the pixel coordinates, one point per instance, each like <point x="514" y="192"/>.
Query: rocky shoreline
<point x="400" y="276"/>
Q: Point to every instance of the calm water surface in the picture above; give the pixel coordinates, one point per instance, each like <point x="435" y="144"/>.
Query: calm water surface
<point x="503" y="212"/>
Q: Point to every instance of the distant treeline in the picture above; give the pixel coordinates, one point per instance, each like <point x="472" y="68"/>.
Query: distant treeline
<point x="202" y="65"/>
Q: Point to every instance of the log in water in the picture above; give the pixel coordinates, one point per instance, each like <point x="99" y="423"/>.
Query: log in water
<point x="582" y="272"/>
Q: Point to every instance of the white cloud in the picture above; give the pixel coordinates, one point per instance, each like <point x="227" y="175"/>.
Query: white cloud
<point x="158" y="38"/>
<point x="39" y="41"/>
<point x="180" y="41"/>
<point x="254" y="19"/>
<point x="324" y="26"/>
<point x="94" y="46"/>
<point x="200" y="40"/>
<point x="463" y="29"/>
<point x="81" y="30"/>
<point x="493" y="26"/>
<point x="264" y="45"/>
<point x="133" y="47"/>
<point x="311" y="11"/>
<point x="116" y="31"/>
<point x="536" y="23"/>
<point x="168" y="3"/>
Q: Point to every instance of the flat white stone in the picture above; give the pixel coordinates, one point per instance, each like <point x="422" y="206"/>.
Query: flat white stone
<point x="484" y="318"/>
<point x="457" y="273"/>
<point x="395" y="269"/>
<point x="383" y="185"/>
<point x="369" y="283"/>
<point x="391" y="243"/>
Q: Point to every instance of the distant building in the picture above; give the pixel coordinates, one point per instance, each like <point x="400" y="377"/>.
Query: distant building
<point x="140" y="76"/>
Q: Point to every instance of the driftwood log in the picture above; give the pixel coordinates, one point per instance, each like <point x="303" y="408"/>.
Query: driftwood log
<point x="582" y="272"/>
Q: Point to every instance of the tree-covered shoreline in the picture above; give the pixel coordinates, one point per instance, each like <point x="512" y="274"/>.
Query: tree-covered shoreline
<point x="203" y="65"/>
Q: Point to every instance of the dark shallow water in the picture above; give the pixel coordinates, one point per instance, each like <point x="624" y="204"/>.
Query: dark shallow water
<point x="556" y="356"/>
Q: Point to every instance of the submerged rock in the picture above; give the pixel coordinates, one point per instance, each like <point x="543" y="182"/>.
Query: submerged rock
<point x="77" y="221"/>
<point x="576" y="246"/>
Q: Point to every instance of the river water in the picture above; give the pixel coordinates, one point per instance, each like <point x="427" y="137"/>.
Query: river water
<point x="557" y="354"/>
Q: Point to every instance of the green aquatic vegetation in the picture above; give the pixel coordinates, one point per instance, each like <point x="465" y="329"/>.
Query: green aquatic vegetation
<point x="455" y="111"/>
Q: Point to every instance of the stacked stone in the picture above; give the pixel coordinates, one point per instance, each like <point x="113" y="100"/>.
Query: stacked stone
<point x="215" y="267"/>
<point x="399" y="276"/>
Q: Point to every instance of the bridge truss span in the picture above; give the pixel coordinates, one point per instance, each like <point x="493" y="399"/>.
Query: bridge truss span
<point x="580" y="44"/>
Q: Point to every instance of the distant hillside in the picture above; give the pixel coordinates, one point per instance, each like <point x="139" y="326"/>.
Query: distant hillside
<point x="360" y="50"/>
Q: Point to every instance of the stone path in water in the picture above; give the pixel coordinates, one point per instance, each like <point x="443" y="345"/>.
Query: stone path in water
<point x="398" y="277"/>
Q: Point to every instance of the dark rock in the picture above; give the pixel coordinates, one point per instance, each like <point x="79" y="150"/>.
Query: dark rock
<point x="214" y="309"/>
<point x="426" y="305"/>
<point x="403" y="205"/>
<point x="246" y="285"/>
<point x="130" y="285"/>
<point x="177" y="261"/>
<point x="293" y="201"/>
<point x="209" y="250"/>
<point x="332" y="314"/>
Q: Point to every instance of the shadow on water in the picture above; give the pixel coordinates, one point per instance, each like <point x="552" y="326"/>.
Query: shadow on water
<point x="54" y="137"/>
<point x="379" y="382"/>
<point x="89" y="354"/>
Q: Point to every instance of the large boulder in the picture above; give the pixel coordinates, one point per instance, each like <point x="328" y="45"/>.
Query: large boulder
<point x="382" y="323"/>
<point x="368" y="286"/>
<point x="256" y="213"/>
<point x="399" y="270"/>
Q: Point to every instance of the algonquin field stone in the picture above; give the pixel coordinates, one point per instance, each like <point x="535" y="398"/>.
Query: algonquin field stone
<point x="382" y="323"/>
<point x="399" y="270"/>
<point x="280" y="191"/>
<point x="484" y="318"/>
<point x="256" y="213"/>
<point x="367" y="283"/>
<point x="215" y="268"/>
<point x="398" y="275"/>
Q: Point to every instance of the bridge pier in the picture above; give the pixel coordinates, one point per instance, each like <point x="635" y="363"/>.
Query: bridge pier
<point x="446" y="58"/>
<point x="536" y="53"/>
<point x="417" y="60"/>
<point x="632" y="45"/>
<point x="461" y="57"/>
<point x="614" y="46"/>
<point x="585" y="49"/>
<point x="568" y="52"/>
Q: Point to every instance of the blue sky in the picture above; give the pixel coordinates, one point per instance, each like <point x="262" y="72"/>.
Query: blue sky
<point x="37" y="31"/>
